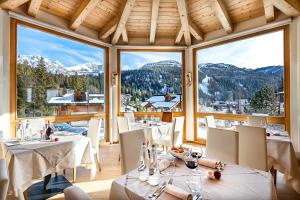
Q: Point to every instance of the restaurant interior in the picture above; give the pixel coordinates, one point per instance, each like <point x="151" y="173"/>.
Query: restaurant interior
<point x="150" y="99"/>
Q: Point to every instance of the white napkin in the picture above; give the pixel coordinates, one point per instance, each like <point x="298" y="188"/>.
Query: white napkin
<point x="208" y="162"/>
<point x="177" y="192"/>
<point x="164" y="164"/>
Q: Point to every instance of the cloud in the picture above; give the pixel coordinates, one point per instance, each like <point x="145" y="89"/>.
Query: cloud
<point x="66" y="51"/>
<point x="260" y="51"/>
<point x="135" y="60"/>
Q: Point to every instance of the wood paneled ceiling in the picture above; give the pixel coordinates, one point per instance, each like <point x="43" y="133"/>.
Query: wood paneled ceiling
<point x="180" y="20"/>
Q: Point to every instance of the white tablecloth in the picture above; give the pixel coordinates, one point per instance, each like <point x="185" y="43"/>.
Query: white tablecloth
<point x="236" y="183"/>
<point x="34" y="160"/>
<point x="153" y="132"/>
<point x="281" y="149"/>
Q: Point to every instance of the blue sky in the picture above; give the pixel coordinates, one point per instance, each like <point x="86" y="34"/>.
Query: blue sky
<point x="66" y="51"/>
<point x="134" y="60"/>
<point x="260" y="51"/>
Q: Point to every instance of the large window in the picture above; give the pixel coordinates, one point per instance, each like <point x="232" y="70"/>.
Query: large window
<point x="151" y="81"/>
<point x="240" y="78"/>
<point x="56" y="76"/>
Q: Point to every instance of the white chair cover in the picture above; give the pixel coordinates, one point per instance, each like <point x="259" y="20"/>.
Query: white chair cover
<point x="222" y="144"/>
<point x="129" y="116"/>
<point x="123" y="124"/>
<point x="253" y="147"/>
<point x="259" y="121"/>
<point x="75" y="193"/>
<point x="3" y="179"/>
<point x="37" y="125"/>
<point x="175" y="134"/>
<point x="130" y="144"/>
<point x="210" y="122"/>
<point x="93" y="132"/>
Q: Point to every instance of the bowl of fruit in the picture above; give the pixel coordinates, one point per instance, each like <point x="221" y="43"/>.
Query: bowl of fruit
<point x="178" y="152"/>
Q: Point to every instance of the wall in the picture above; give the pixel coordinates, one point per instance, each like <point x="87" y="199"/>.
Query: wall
<point x="295" y="81"/>
<point x="4" y="74"/>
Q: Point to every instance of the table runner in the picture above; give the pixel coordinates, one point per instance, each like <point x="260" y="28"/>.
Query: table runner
<point x="236" y="183"/>
<point x="30" y="161"/>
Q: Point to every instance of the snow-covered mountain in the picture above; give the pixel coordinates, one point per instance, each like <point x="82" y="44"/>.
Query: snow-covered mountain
<point x="56" y="67"/>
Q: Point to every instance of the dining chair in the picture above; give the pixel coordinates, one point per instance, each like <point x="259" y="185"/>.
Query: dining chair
<point x="130" y="143"/>
<point x="222" y="144"/>
<point x="174" y="136"/>
<point x="93" y="133"/>
<point x="129" y="116"/>
<point x="253" y="148"/>
<point x="3" y="179"/>
<point x="75" y="193"/>
<point x="167" y="117"/>
<point x="210" y="121"/>
<point x="259" y="121"/>
<point x="123" y="124"/>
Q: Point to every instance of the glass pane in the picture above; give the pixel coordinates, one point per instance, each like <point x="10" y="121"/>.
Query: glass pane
<point x="151" y="81"/>
<point x="243" y="77"/>
<point x="57" y="76"/>
<point x="202" y="134"/>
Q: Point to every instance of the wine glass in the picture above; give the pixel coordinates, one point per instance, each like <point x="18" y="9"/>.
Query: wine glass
<point x="191" y="161"/>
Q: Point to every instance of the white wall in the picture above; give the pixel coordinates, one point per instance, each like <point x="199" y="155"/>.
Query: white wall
<point x="4" y="74"/>
<point x="294" y="81"/>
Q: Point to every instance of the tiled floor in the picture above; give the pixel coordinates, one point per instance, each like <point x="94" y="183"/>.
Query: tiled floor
<point x="99" y="187"/>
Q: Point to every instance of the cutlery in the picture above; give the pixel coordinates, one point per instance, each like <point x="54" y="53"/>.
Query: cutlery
<point x="163" y="188"/>
<point x="157" y="190"/>
<point x="196" y="197"/>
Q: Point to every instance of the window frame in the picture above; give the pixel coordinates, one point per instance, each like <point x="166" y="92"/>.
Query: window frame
<point x="285" y="120"/>
<point x="13" y="79"/>
<point x="156" y="114"/>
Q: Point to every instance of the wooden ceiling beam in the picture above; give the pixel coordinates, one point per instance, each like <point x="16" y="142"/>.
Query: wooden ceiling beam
<point x="195" y="31"/>
<point x="179" y="36"/>
<point x="183" y="13"/>
<point x="11" y="4"/>
<point x="154" y="16"/>
<point x="82" y="12"/>
<point x="123" y="19"/>
<point x="124" y="35"/>
<point x="33" y="7"/>
<point x="109" y="28"/>
<point x="220" y="10"/>
<point x="288" y="7"/>
<point x="269" y="10"/>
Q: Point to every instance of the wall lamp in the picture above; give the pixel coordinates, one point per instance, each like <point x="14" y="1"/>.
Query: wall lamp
<point x="189" y="79"/>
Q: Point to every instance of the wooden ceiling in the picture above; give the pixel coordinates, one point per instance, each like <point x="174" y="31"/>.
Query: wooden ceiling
<point x="181" y="20"/>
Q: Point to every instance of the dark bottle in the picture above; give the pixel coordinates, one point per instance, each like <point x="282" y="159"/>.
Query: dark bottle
<point x="49" y="131"/>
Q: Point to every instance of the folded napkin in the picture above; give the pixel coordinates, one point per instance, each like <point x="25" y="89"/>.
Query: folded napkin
<point x="208" y="162"/>
<point x="164" y="164"/>
<point x="173" y="192"/>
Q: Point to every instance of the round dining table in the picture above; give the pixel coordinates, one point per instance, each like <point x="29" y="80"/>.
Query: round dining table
<point x="236" y="182"/>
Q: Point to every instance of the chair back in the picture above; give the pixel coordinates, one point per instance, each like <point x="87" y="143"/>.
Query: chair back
<point x="129" y="116"/>
<point x="258" y="121"/>
<point x="130" y="144"/>
<point x="75" y="193"/>
<point x="252" y="147"/>
<point x="3" y="179"/>
<point x="167" y="117"/>
<point x="210" y="122"/>
<point x="37" y="125"/>
<point x="123" y="124"/>
<point x="222" y="144"/>
<point x="93" y="132"/>
<point x="178" y="131"/>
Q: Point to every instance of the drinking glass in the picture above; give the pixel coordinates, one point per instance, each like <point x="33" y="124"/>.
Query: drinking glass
<point x="169" y="171"/>
<point x="195" y="185"/>
<point x="190" y="161"/>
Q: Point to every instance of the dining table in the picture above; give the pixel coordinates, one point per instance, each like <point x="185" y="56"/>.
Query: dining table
<point x="236" y="182"/>
<point x="153" y="130"/>
<point x="29" y="161"/>
<point x="280" y="149"/>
